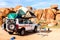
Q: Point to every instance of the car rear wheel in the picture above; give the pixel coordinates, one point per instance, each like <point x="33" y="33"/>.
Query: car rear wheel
<point x="11" y="33"/>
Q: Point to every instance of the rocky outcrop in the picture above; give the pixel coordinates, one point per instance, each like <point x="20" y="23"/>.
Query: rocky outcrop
<point x="55" y="6"/>
<point x="3" y="13"/>
<point x="17" y="7"/>
<point x="29" y="8"/>
<point x="48" y="14"/>
<point x="38" y="13"/>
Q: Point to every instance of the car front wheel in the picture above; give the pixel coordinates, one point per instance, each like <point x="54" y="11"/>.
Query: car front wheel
<point x="35" y="29"/>
<point x="22" y="32"/>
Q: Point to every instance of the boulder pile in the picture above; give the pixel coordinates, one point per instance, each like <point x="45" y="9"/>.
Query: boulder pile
<point x="47" y="15"/>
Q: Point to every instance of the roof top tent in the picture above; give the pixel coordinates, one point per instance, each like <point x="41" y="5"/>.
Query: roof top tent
<point x="23" y="11"/>
<point x="20" y="12"/>
<point x="12" y="15"/>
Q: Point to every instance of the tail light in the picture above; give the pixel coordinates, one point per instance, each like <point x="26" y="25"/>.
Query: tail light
<point x="17" y="26"/>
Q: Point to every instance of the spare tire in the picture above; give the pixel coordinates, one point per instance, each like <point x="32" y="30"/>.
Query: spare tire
<point x="11" y="27"/>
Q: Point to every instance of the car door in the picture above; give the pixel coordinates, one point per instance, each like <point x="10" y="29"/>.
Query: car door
<point x="27" y="25"/>
<point x="31" y="25"/>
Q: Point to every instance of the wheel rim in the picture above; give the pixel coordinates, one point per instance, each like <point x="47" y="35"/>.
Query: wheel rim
<point x="22" y="32"/>
<point x="11" y="26"/>
<point x="35" y="29"/>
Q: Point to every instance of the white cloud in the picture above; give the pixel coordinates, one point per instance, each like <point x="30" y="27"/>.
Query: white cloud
<point x="38" y="4"/>
<point x="43" y="4"/>
<point x="9" y="3"/>
<point x="29" y="0"/>
<point x="3" y="3"/>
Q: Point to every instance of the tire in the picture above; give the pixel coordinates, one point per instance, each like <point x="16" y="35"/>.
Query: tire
<point x="10" y="33"/>
<point x="35" y="29"/>
<point x="11" y="27"/>
<point x="22" y="32"/>
<point x="4" y="25"/>
<point x="48" y="29"/>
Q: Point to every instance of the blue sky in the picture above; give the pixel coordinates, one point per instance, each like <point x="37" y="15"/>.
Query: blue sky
<point x="34" y="3"/>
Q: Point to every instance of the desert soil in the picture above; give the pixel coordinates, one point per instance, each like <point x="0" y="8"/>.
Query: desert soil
<point x="53" y="35"/>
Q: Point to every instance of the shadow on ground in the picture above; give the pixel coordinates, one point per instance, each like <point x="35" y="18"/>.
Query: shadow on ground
<point x="46" y="31"/>
<point x="27" y="33"/>
<point x="31" y="33"/>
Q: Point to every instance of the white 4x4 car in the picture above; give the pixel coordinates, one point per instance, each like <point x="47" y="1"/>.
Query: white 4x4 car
<point x="20" y="26"/>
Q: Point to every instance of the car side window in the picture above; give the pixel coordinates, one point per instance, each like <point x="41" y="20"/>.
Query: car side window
<point x="30" y="22"/>
<point x="20" y="21"/>
<point x="25" y="21"/>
